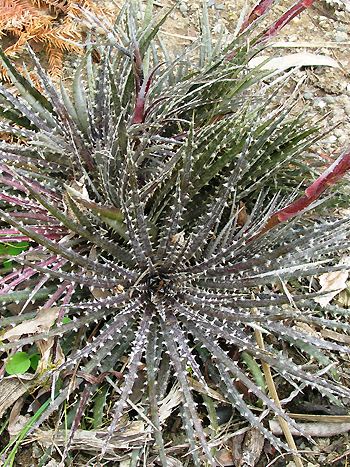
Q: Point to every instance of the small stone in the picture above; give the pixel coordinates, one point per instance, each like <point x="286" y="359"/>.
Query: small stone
<point x="320" y="103"/>
<point x="220" y="6"/>
<point x="331" y="140"/>
<point x="324" y="23"/>
<point x="338" y="132"/>
<point x="329" y="99"/>
<point x="52" y="463"/>
<point x="341" y="27"/>
<point x="341" y="36"/>
<point x="308" y="95"/>
<point x="183" y="8"/>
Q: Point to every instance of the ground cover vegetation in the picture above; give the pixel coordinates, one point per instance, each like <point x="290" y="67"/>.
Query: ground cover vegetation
<point x="166" y="215"/>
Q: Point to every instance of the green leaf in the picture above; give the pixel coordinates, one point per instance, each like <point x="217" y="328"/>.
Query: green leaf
<point x="34" y="361"/>
<point x="254" y="369"/>
<point x="16" y="442"/>
<point x="7" y="266"/>
<point x="99" y="404"/>
<point x="66" y="320"/>
<point x="13" y="249"/>
<point x="18" y="363"/>
<point x="152" y="30"/>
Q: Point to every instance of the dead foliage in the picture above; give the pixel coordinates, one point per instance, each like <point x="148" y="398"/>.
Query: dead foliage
<point x="50" y="26"/>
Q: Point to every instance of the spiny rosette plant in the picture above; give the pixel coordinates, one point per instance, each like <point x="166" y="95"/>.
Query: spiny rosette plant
<point x="160" y="203"/>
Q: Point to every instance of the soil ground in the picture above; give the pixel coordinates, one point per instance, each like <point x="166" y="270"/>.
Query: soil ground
<point x="323" y="30"/>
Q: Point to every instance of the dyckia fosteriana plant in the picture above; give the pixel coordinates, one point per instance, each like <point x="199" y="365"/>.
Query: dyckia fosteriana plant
<point x="163" y="208"/>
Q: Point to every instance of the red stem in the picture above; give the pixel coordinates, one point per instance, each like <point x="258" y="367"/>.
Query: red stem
<point x="260" y="9"/>
<point x="257" y="11"/>
<point x="294" y="11"/>
<point x="328" y="178"/>
<point x="139" y="112"/>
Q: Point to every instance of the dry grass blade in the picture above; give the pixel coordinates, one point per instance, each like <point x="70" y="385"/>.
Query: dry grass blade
<point x="273" y="392"/>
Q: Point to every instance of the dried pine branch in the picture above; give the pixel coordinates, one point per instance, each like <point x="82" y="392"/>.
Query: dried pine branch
<point x="47" y="24"/>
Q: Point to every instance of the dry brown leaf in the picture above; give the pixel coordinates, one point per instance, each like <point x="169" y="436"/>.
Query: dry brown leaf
<point x="45" y="348"/>
<point x="134" y="434"/>
<point x="335" y="336"/>
<point x="199" y="387"/>
<point x="16" y="420"/>
<point x="293" y="60"/>
<point x="332" y="283"/>
<point x="224" y="457"/>
<point x="306" y="328"/>
<point x="168" y="404"/>
<point x="41" y="323"/>
<point x="99" y="294"/>
<point x="12" y="388"/>
<point x="178" y="238"/>
<point x="252" y="448"/>
<point x="242" y="216"/>
<point x="320" y="418"/>
<point x="344" y="298"/>
<point x="172" y="462"/>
